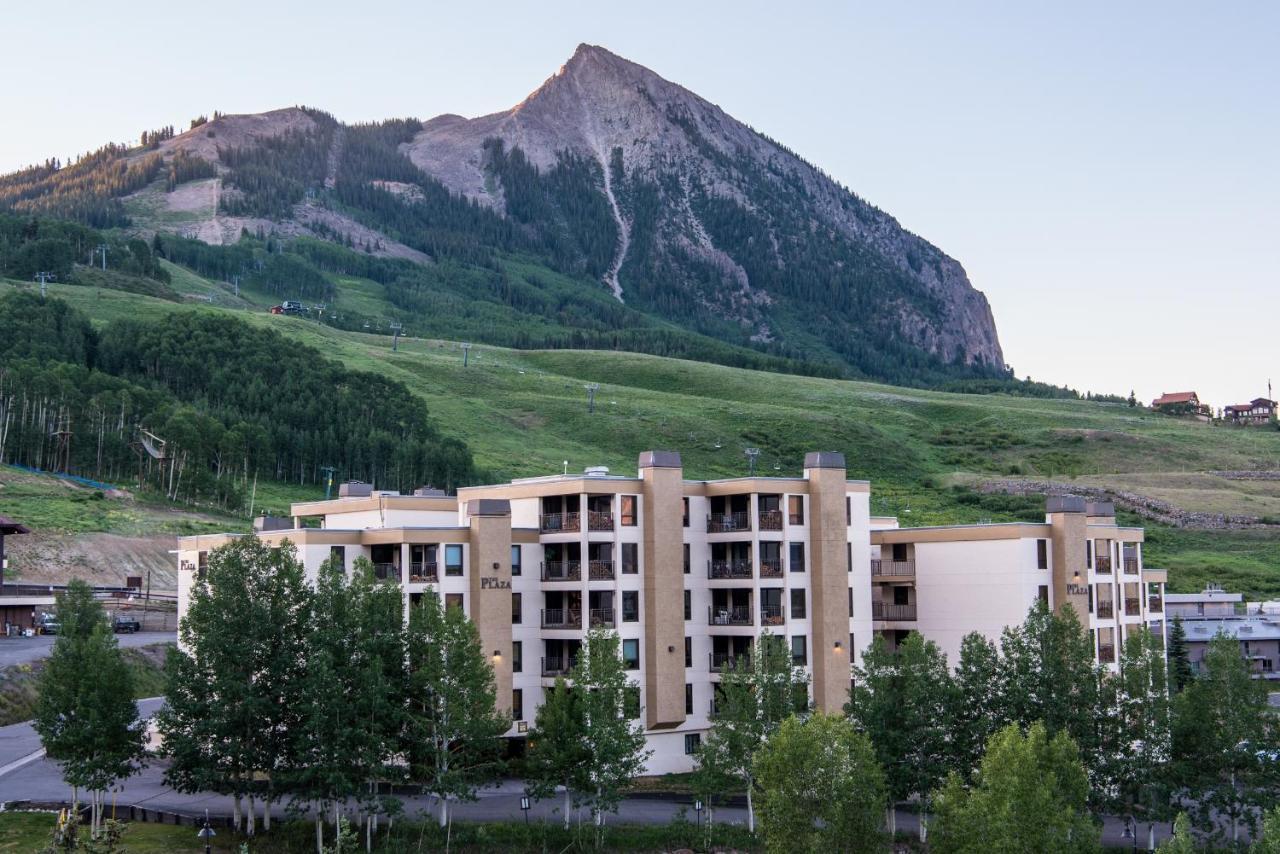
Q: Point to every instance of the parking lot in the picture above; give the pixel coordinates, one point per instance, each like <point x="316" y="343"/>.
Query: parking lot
<point x="22" y="650"/>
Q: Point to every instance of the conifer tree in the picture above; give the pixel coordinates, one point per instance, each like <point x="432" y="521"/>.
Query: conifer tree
<point x="1179" y="661"/>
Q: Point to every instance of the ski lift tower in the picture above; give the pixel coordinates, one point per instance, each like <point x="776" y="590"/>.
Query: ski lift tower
<point x="395" y="335"/>
<point x="466" y="352"/>
<point x="591" y="388"/>
<point x="43" y="277"/>
<point x="328" y="480"/>
<point x="752" y="454"/>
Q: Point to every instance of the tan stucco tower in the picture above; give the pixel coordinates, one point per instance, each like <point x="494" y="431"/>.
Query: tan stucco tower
<point x="828" y="538"/>
<point x="1067" y="522"/>
<point x="490" y="571"/>
<point x="663" y="592"/>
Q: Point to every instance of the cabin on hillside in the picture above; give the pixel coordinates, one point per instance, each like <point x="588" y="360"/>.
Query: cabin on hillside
<point x="1260" y="410"/>
<point x="1181" y="403"/>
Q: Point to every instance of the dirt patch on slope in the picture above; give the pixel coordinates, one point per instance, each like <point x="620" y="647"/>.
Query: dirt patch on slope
<point x="100" y="559"/>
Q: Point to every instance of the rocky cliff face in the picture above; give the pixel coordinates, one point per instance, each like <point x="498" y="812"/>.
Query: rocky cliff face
<point x="706" y="169"/>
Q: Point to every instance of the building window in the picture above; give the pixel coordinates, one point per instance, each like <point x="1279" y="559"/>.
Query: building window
<point x="688" y="699"/>
<point x="1088" y="553"/>
<point x="850" y="601"/>
<point x="631" y="654"/>
<point x="339" y="552"/>
<point x="688" y="605"/>
<point x="630" y="561"/>
<point x="453" y="600"/>
<point x="686" y="558"/>
<point x="202" y="564"/>
<point x="515" y="560"/>
<point x="686" y="511"/>
<point x="1044" y="594"/>
<point x="453" y="560"/>
<point x="795" y="509"/>
<point x="517" y="611"/>
<point x="799" y="650"/>
<point x="517" y="704"/>
<point x="797" y="557"/>
<point x="1042" y="554"/>
<point x="517" y="656"/>
<point x="797" y="604"/>
<point x="688" y="652"/>
<point x="848" y="556"/>
<point x="628" y="510"/>
<point x="630" y="606"/>
<point x="848" y="511"/>
<point x="692" y="741"/>
<point x="631" y="702"/>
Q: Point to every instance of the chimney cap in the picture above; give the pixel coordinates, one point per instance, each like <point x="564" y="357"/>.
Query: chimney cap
<point x="355" y="489"/>
<point x="824" y="460"/>
<point x="429" y="492"/>
<point x="272" y="523"/>
<point x="1100" y="508"/>
<point x="660" y="460"/>
<point x="489" y="507"/>
<point x="1064" y="504"/>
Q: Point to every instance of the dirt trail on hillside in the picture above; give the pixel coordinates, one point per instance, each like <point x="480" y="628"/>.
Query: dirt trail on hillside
<point x="100" y="559"/>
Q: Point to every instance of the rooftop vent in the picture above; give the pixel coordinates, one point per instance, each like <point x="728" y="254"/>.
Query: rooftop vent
<point x="355" y="489"/>
<point x="596" y="471"/>
<point x="428" y="492"/>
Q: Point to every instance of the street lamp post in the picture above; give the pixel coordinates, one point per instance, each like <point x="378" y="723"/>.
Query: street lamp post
<point x="206" y="833"/>
<point x="524" y="807"/>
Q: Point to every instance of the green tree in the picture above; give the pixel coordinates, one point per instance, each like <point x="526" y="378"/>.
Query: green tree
<point x="1181" y="842"/>
<point x="233" y="698"/>
<point x="1031" y="795"/>
<point x="821" y="788"/>
<point x="1179" y="661"/>
<point x="453" y="728"/>
<point x="977" y="711"/>
<point x="1223" y="742"/>
<point x="556" y="747"/>
<point x="613" y="740"/>
<point x="902" y="699"/>
<point x="756" y="694"/>
<point x="1269" y="843"/>
<point x="86" y="715"/>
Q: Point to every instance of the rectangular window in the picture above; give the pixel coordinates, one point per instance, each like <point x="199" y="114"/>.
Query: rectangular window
<point x="453" y="560"/>
<point x="799" y="650"/>
<point x="688" y="652"/>
<point x="1042" y="554"/>
<point x="848" y="511"/>
<point x="797" y="604"/>
<point x="340" y="553"/>
<point x="628" y="510"/>
<point x="692" y="741"/>
<point x="795" y="509"/>
<point x="850" y="601"/>
<point x="631" y="702"/>
<point x="515" y="560"/>
<point x="686" y="558"/>
<point x="630" y="560"/>
<point x="517" y="609"/>
<point x="517" y="704"/>
<point x="631" y="654"/>
<point x="686" y="512"/>
<point x="453" y="600"/>
<point x="517" y="656"/>
<point x="1088" y="553"/>
<point x="630" y="606"/>
<point x="796" y="563"/>
<point x="688" y="605"/>
<point x="848" y="556"/>
<point x="688" y="699"/>
<point x="1044" y="593"/>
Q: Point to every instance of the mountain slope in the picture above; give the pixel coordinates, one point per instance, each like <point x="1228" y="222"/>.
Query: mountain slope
<point x="608" y="176"/>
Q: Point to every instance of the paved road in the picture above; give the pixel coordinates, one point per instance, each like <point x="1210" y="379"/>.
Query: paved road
<point x="23" y="650"/>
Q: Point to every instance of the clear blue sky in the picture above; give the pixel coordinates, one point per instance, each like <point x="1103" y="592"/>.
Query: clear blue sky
<point x="1106" y="172"/>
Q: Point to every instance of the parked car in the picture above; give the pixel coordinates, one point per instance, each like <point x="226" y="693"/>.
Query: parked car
<point x="47" y="626"/>
<point x="125" y="623"/>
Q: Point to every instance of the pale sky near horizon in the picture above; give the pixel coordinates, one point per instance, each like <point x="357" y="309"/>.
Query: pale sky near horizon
<point x="1106" y="172"/>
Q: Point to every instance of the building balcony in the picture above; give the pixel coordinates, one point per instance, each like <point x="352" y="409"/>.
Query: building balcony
<point x="386" y="572"/>
<point x="1106" y="611"/>
<point x="599" y="520"/>
<point x="602" y="618"/>
<point x="891" y="611"/>
<point x="771" y="615"/>
<point x="771" y="569"/>
<point x="1106" y="653"/>
<point x="561" y="618"/>
<point x="893" y="567"/>
<point x="561" y="523"/>
<point x="424" y="572"/>
<point x="728" y="523"/>
<point x="600" y="570"/>
<point x="558" y="665"/>
<point x="562" y="570"/>
<point x="1155" y="604"/>
<point x="736" y="616"/>
<point x="723" y="660"/>
<point x="1131" y="566"/>
<point x="1132" y="606"/>
<point x="722" y="569"/>
<point x="1102" y="565"/>
<point x="771" y="520"/>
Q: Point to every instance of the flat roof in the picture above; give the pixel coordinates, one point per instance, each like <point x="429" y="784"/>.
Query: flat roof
<point x="1240" y="628"/>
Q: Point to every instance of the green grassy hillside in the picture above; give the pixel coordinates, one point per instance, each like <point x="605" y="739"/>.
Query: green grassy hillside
<point x="926" y="452"/>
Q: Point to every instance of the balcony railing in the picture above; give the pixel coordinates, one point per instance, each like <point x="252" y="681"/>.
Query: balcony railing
<point x="893" y="567"/>
<point x="890" y="611"/>
<point x="771" y="615"/>
<point x="1132" y="606"/>
<point x="729" y="616"/>
<point x="735" y="568"/>
<point x="424" y="572"/>
<point x="1102" y="565"/>
<point x="602" y="618"/>
<point x="771" y="520"/>
<point x="1106" y="610"/>
<point x="723" y="660"/>
<point x="561" y="523"/>
<point x="1155" y="604"/>
<point x="558" y="665"/>
<point x="599" y="520"/>
<point x="561" y="618"/>
<point x="771" y="568"/>
<point x="724" y="523"/>
<point x="562" y="570"/>
<point x="1131" y="566"/>
<point x="600" y="570"/>
<point x="1106" y="653"/>
<point x="386" y="572"/>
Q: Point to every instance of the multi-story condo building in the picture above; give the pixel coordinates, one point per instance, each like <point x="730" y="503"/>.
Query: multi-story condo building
<point x="689" y="572"/>
<point x="1213" y="612"/>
